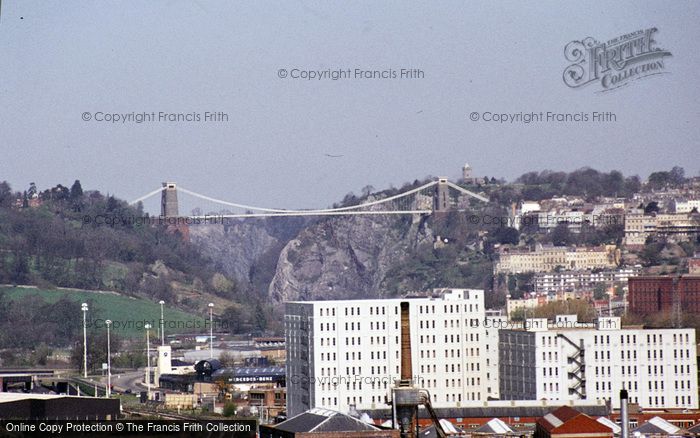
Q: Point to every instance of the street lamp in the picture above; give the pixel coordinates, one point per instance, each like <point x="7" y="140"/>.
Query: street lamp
<point x="84" y="308"/>
<point x="211" y="331"/>
<point x="108" y="393"/>
<point x="148" y="358"/>
<point x="162" y="323"/>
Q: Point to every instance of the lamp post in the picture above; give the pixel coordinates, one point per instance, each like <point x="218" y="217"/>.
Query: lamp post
<point x="108" y="393"/>
<point x="84" y="308"/>
<point x="148" y="358"/>
<point x="211" y="331"/>
<point x="162" y="323"/>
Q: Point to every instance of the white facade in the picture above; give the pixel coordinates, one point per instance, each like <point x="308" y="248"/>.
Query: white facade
<point x="686" y="206"/>
<point x="583" y="280"/>
<point x="164" y="364"/>
<point x="348" y="352"/>
<point x="529" y="206"/>
<point x="677" y="226"/>
<point x="492" y="324"/>
<point x="574" y="219"/>
<point x="513" y="305"/>
<point x="658" y="367"/>
<point x="549" y="258"/>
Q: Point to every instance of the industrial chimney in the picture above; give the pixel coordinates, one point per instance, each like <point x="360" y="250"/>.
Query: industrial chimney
<point x="406" y="366"/>
<point x="406" y="397"/>
<point x="624" y="414"/>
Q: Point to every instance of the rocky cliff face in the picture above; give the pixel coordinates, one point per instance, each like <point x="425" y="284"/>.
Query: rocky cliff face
<point x="330" y="258"/>
<point x="346" y="257"/>
<point x="234" y="248"/>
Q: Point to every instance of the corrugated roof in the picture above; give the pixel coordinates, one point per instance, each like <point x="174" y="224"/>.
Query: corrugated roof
<point x="430" y="432"/>
<point x="695" y="429"/>
<point x="495" y="425"/>
<point x="493" y="411"/>
<point x="553" y="420"/>
<point x="323" y="420"/>
<point x="611" y="424"/>
<point x="657" y="425"/>
<point x="251" y="371"/>
<point x="304" y="422"/>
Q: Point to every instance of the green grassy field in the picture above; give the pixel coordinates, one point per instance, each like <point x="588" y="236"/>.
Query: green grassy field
<point x="127" y="313"/>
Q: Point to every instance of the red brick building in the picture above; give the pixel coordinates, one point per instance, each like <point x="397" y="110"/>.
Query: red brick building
<point x="651" y="294"/>
<point x="570" y="423"/>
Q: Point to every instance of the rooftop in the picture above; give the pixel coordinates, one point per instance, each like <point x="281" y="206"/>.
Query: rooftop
<point x="324" y="420"/>
<point x="569" y="420"/>
<point x="657" y="425"/>
<point x="16" y="396"/>
<point x="251" y="371"/>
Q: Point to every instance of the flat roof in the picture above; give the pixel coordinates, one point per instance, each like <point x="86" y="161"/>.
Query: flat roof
<point x="6" y="397"/>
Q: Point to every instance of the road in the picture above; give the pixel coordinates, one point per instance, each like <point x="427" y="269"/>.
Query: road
<point x="130" y="380"/>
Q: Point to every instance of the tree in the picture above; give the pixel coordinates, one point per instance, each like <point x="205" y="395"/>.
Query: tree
<point x="525" y="282"/>
<point x="222" y="285"/>
<point x="507" y="235"/>
<point x="561" y="236"/>
<point x="677" y="175"/>
<point x="40" y="354"/>
<point x="583" y="309"/>
<point x="130" y="359"/>
<point x="599" y="292"/>
<point x="659" y="180"/>
<point x="632" y="185"/>
<point x="236" y="319"/>
<point x="367" y="190"/>
<point x="6" y="196"/>
<point x="529" y="178"/>
<point x="619" y="291"/>
<point x="32" y="190"/>
<point x="76" y="190"/>
<point x="651" y="254"/>
<point x="518" y="314"/>
<point x="613" y="183"/>
<point x="229" y="409"/>
<point x="652" y="207"/>
<point x="97" y="349"/>
<point x="20" y="269"/>
<point x="512" y="284"/>
<point x="226" y="359"/>
<point x="223" y="387"/>
<point x="260" y="321"/>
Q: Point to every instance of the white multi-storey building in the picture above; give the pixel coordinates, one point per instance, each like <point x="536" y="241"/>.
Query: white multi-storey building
<point x="342" y="353"/>
<point x="686" y="205"/>
<point x="493" y="322"/>
<point x="549" y="258"/>
<point x="554" y="281"/>
<point x="567" y="361"/>
<point x="679" y="227"/>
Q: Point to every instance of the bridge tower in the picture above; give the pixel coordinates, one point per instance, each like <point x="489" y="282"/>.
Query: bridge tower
<point x="168" y="200"/>
<point x="441" y="201"/>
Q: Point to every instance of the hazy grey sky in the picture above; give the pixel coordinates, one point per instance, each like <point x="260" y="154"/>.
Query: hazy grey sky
<point x="59" y="59"/>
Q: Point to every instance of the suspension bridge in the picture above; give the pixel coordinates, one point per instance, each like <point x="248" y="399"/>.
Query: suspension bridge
<point x="439" y="195"/>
